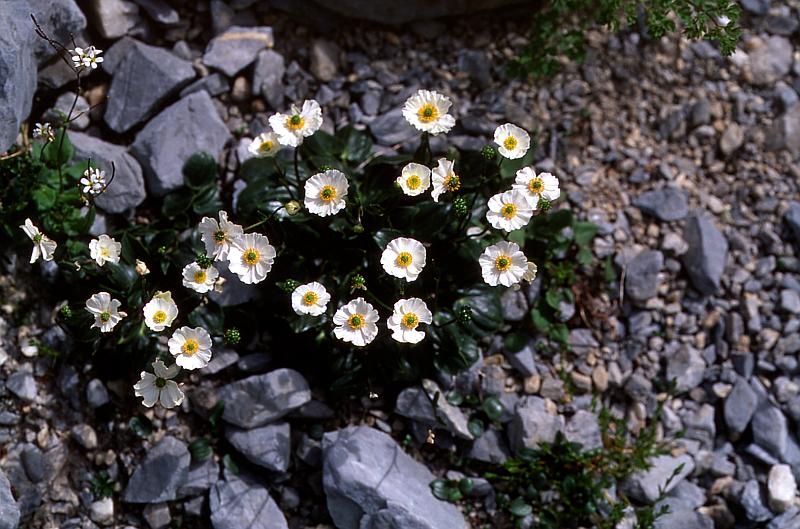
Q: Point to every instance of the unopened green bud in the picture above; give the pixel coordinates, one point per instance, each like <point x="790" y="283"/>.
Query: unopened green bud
<point x="162" y="250"/>
<point x="232" y="336"/>
<point x="358" y="228"/>
<point x="464" y="314"/>
<point x="489" y="152"/>
<point x="357" y="282"/>
<point x="203" y="261"/>
<point x="289" y="285"/>
<point x="326" y="168"/>
<point x="66" y="312"/>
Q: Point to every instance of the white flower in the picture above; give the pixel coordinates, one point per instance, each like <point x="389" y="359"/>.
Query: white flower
<point x="543" y="185"/>
<point x="159" y="387"/>
<point x="427" y="111"/>
<point x="444" y="179"/>
<point x="356" y="322"/>
<point x="86" y="57"/>
<point x="264" y="145"/>
<point x="529" y="275"/>
<point x="503" y="263"/>
<point x="141" y="268"/>
<point x="251" y="257"/>
<point x="311" y="299"/>
<point x="513" y="141"/>
<point x="408" y="314"/>
<point x="200" y="280"/>
<point x="105" y="310"/>
<point x="104" y="249"/>
<point x="509" y="211"/>
<point x="326" y="192"/>
<point x="42" y="245"/>
<point x="217" y="236"/>
<point x="44" y="131"/>
<point x="160" y="311"/>
<point x="404" y="258"/>
<point x="300" y="123"/>
<point x="93" y="181"/>
<point x="191" y="347"/>
<point x="415" y="179"/>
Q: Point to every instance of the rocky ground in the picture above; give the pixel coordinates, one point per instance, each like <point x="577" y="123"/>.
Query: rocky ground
<point x="685" y="159"/>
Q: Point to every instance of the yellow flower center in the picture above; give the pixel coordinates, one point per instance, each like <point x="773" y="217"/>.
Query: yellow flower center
<point x="251" y="256"/>
<point x="104" y="252"/>
<point x="190" y="346"/>
<point x="413" y="182"/>
<point x="356" y="321"/>
<point x="502" y="263"/>
<point x="105" y="316"/>
<point x="160" y="317"/>
<point x="428" y="113"/>
<point x="510" y="143"/>
<point x="295" y="122"/>
<point x="452" y="182"/>
<point x="266" y="146"/>
<point x="310" y="298"/>
<point x="327" y="193"/>
<point x="410" y="320"/>
<point x="200" y="276"/>
<point x="219" y="236"/>
<point x="536" y="186"/>
<point x="508" y="211"/>
<point x="404" y="259"/>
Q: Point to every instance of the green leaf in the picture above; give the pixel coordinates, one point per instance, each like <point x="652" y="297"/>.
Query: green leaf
<point x="201" y="449"/>
<point x="200" y="170"/>
<point x="476" y="427"/>
<point x="584" y="232"/>
<point x="439" y="488"/>
<point x="45" y="198"/>
<point x="520" y="508"/>
<point x="141" y="426"/>
<point x="493" y="408"/>
<point x="554" y="297"/>
<point x="58" y="152"/>
<point x="176" y="203"/>
<point x="358" y="144"/>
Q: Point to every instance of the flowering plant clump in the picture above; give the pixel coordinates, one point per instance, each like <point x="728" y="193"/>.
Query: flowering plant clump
<point x="360" y="268"/>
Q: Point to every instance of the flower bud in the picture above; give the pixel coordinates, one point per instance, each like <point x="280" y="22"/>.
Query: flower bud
<point x="66" y="312"/>
<point x="141" y="268"/>
<point x="203" y="261"/>
<point x="358" y="228"/>
<point x="292" y="207"/>
<point x="357" y="282"/>
<point x="460" y="207"/>
<point x="464" y="314"/>
<point x="289" y="285"/>
<point x="326" y="168"/>
<point x="543" y="205"/>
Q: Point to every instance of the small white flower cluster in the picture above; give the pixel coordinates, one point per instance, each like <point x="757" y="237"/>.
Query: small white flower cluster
<point x="44" y="131"/>
<point x="93" y="181"/>
<point x="288" y="130"/>
<point x="84" y="58"/>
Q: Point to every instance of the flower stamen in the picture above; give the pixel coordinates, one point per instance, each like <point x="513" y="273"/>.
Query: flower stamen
<point x="160" y="317"/>
<point x="310" y="298"/>
<point x="428" y="113"/>
<point x="190" y="346"/>
<point x="502" y="263"/>
<point x="200" y="276"/>
<point x="251" y="256"/>
<point x="327" y="193"/>
<point x="410" y="321"/>
<point x="295" y="122"/>
<point x="508" y="211"/>
<point x="510" y="143"/>
<point x="536" y="186"/>
<point x="404" y="259"/>
<point x="356" y="321"/>
<point x="452" y="182"/>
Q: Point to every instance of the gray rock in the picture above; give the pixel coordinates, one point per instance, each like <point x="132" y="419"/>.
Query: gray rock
<point x="700" y="113"/>
<point x="770" y="430"/>
<point x="739" y="407"/>
<point x="17" y="69"/>
<point x="157" y="479"/>
<point x="790" y="301"/>
<point x="370" y="483"/>
<point x="113" y="18"/>
<point x="532" y="424"/>
<point x="491" y="447"/>
<point x="215" y="84"/>
<point x="22" y="384"/>
<point x="237" y="48"/>
<point x="752" y="501"/>
<point x="96" y="393"/>
<point x="584" y="428"/>
<point x="666" y="203"/>
<point x="641" y="276"/>
<point x="80" y="115"/>
<point x="183" y="129"/>
<point x="62" y="19"/>
<point x="9" y="510"/>
<point x="784" y="133"/>
<point x="160" y="11"/>
<point x="646" y="486"/>
<point x="475" y="63"/>
<point x="771" y="61"/>
<point x="102" y="511"/>
<point x="268" y="77"/>
<point x="707" y="254"/>
<point x="126" y="190"/>
<point x="240" y="501"/>
<point x="260" y="399"/>
<point x="34" y="463"/>
<point x="687" y="366"/>
<point x="84" y="435"/>
<point x="781" y="487"/>
<point x="416" y="403"/>
<point x="145" y="78"/>
<point x="117" y="53"/>
<point x="392" y="128"/>
<point x="757" y="7"/>
<point x="793" y="219"/>
<point x="683" y="519"/>
<point x="199" y="479"/>
<point x="324" y="56"/>
<point x="731" y="139"/>
<point x="394" y="13"/>
<point x="514" y="305"/>
<point x="157" y="515"/>
<point x="269" y="446"/>
<point x="221" y="360"/>
<point x="523" y="360"/>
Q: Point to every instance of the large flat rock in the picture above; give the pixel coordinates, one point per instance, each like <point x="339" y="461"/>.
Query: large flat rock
<point x="17" y="68"/>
